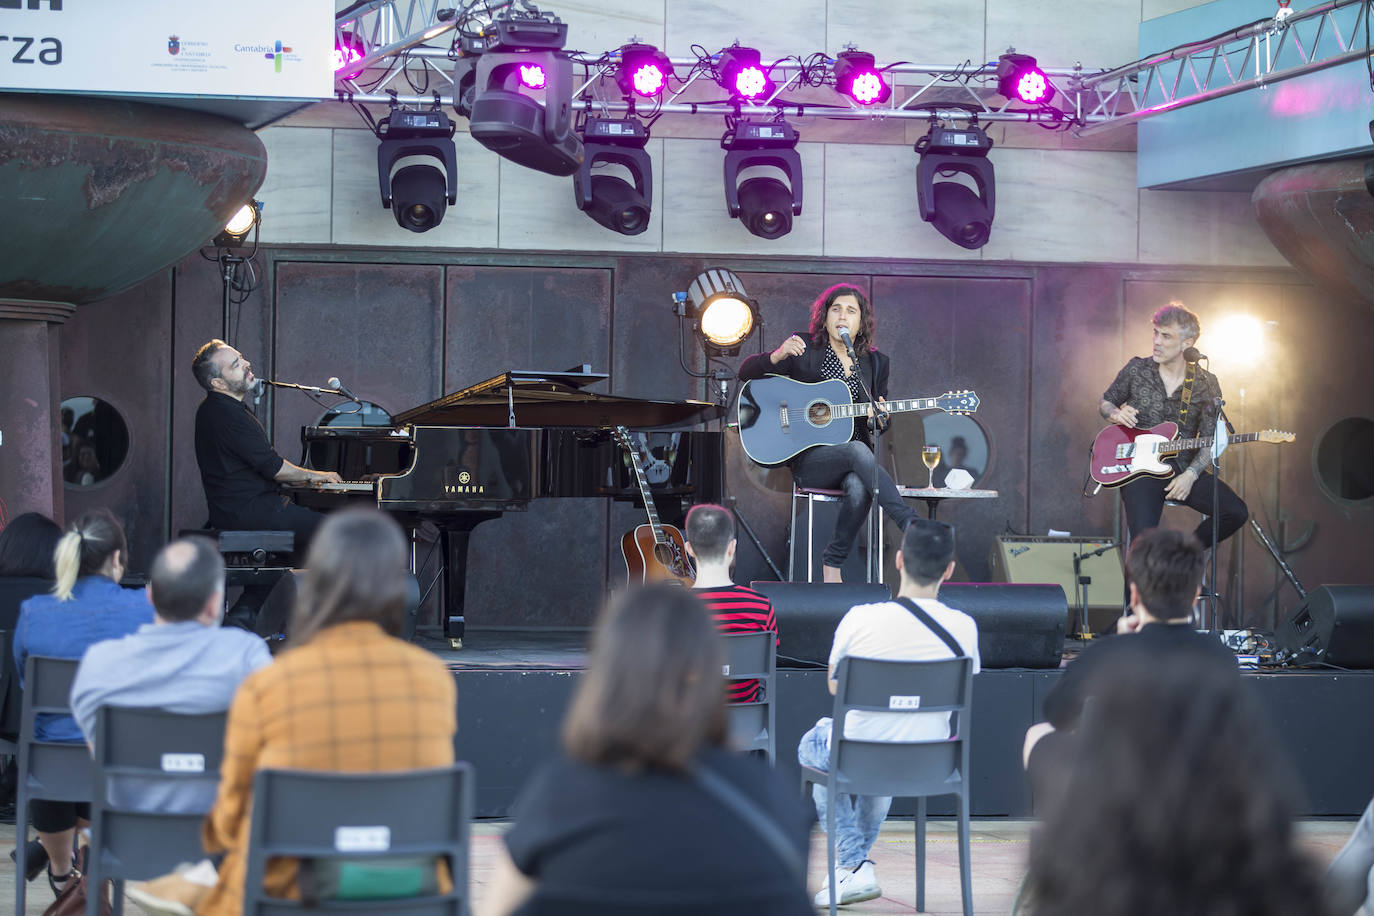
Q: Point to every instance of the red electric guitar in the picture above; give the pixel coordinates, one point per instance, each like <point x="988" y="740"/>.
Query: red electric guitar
<point x="654" y="552"/>
<point x="1121" y="454"/>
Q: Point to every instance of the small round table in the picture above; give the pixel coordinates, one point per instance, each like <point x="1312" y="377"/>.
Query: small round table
<point x="933" y="495"/>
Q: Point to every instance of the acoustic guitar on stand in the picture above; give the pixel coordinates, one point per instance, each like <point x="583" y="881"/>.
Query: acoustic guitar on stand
<point x="654" y="552"/>
<point x="1120" y="454"/>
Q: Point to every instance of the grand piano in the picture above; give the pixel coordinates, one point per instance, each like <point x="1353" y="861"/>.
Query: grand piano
<point x="493" y="447"/>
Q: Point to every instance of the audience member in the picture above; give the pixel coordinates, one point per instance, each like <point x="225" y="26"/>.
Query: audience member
<point x="183" y="661"/>
<point x="1164" y="572"/>
<point x="1178" y="803"/>
<point x="27" y="546"/>
<point x="914" y="627"/>
<point x="86" y="606"/>
<point x="631" y="818"/>
<point x="734" y="608"/>
<point x="317" y="707"/>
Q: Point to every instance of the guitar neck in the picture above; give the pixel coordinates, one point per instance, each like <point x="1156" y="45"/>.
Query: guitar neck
<point x="654" y="523"/>
<point x="1174" y="446"/>
<point x="860" y="409"/>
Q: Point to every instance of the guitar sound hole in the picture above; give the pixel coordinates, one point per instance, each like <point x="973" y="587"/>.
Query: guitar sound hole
<point x="818" y="413"/>
<point x="667" y="556"/>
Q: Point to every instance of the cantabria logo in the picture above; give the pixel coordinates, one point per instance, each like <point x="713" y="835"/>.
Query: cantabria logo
<point x="276" y="56"/>
<point x="275" y="52"/>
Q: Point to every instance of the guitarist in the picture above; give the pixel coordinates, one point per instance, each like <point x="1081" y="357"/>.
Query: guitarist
<point x="1169" y="387"/>
<point x="820" y="353"/>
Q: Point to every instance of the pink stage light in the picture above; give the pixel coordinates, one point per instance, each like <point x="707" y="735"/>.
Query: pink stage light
<point x="532" y="76"/>
<point x="649" y="80"/>
<point x="750" y="82"/>
<point x="1032" y="87"/>
<point x="866" y="88"/>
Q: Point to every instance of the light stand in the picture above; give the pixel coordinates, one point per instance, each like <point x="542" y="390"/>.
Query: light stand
<point x="721" y="390"/>
<point x="1218" y="446"/>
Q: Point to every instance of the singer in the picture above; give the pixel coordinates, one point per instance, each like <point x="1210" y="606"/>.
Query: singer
<point x="238" y="466"/>
<point x="1169" y="385"/>
<point x="839" y="345"/>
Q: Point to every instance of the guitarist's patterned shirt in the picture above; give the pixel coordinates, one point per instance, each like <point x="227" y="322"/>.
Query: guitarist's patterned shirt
<point x="1139" y="384"/>
<point x="831" y="367"/>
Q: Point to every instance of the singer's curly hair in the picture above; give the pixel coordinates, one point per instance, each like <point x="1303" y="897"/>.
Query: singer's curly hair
<point x="866" y="339"/>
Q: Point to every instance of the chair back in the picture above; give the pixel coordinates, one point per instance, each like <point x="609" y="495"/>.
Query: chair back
<point x="155" y="775"/>
<point x="935" y="766"/>
<point x="753" y="656"/>
<point x="326" y="815"/>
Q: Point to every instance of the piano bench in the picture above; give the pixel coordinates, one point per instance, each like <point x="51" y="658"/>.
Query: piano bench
<point x="250" y="549"/>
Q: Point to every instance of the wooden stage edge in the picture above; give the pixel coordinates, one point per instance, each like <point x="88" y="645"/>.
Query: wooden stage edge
<point x="514" y="686"/>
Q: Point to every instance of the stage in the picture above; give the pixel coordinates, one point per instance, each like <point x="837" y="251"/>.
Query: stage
<point x="514" y="686"/>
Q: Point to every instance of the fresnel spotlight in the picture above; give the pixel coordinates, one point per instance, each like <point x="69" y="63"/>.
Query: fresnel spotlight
<point x="857" y="76"/>
<point x="764" y="205"/>
<point x="522" y="106"/>
<point x="244" y="221"/>
<point x="1021" y="80"/>
<point x="417" y="166"/>
<point x="610" y="200"/>
<point x="963" y="217"/>
<point x="722" y="314"/>
<point x="742" y="74"/>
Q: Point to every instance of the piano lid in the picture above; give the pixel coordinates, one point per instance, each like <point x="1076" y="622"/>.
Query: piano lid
<point x="551" y="399"/>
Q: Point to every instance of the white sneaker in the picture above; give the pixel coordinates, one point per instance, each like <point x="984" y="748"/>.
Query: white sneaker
<point x="852" y="887"/>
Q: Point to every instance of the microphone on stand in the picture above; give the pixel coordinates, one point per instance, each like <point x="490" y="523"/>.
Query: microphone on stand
<point x="1101" y="550"/>
<point x="341" y="388"/>
<point x="311" y="388"/>
<point x="848" y="342"/>
<point x="1192" y="355"/>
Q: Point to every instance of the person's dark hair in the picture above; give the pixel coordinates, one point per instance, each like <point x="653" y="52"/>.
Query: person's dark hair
<point x="927" y="549"/>
<point x="89" y="543"/>
<point x="866" y="339"/>
<point x="653" y="695"/>
<point x="185" y="574"/>
<point x="1178" y="803"/>
<point x="1166" y="567"/>
<point x="203" y="365"/>
<point x="27" y="546"/>
<point x="1176" y="313"/>
<point x="355" y="570"/>
<point x="710" y="529"/>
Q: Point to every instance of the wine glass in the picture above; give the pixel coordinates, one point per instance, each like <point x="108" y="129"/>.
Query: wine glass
<point x="930" y="454"/>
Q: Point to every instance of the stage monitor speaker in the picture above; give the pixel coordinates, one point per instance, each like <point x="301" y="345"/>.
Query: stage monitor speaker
<point x="1030" y="559"/>
<point x="1334" y="624"/>
<point x="809" y="612"/>
<point x="1019" y="626"/>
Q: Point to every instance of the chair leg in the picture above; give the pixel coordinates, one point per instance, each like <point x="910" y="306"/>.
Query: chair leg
<point x="93" y="882"/>
<point x="965" y="869"/>
<point x="921" y="854"/>
<point x="21" y="842"/>
<point x="830" y="845"/>
<point x="117" y="897"/>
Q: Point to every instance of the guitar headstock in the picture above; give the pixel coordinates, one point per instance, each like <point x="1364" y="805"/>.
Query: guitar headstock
<point x="622" y="435"/>
<point x="958" y="402"/>
<point x="1276" y="436"/>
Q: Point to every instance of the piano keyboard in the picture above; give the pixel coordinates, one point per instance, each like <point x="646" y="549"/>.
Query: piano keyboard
<point x="346" y="486"/>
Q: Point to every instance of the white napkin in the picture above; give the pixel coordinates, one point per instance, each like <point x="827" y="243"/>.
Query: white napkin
<point x="958" y="479"/>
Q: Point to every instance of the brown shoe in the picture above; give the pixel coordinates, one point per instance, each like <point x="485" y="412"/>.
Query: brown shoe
<point x="170" y="895"/>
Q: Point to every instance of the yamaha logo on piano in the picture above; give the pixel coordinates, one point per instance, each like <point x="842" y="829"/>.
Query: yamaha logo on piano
<point x="455" y="484"/>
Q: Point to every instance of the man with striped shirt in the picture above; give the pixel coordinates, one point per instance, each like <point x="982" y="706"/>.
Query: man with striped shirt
<point x="734" y="608"/>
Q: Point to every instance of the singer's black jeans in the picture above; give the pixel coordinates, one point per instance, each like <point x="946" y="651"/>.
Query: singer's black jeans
<point x="849" y="467"/>
<point x="1143" y="499"/>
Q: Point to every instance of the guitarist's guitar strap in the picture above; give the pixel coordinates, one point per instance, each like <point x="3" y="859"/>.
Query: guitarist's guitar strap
<point x="934" y="627"/>
<point x="1189" y="377"/>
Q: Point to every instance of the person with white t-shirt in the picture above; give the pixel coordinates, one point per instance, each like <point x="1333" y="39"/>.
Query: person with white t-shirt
<point x="886" y="630"/>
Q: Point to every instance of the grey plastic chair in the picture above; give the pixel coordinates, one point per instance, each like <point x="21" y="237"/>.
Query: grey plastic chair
<point x="155" y="777"/>
<point x="325" y="815"/>
<point x="753" y="656"/>
<point x="916" y="769"/>
<point x="47" y="770"/>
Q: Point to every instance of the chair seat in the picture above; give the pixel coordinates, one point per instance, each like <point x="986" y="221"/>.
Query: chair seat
<point x="817" y="491"/>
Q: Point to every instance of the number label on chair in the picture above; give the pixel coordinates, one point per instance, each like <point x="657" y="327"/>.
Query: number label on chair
<point x="362" y="839"/>
<point x="725" y="670"/>
<point x="900" y="702"/>
<point x="183" y="763"/>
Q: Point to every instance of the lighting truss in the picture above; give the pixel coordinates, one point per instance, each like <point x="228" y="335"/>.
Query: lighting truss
<point x="1242" y="59"/>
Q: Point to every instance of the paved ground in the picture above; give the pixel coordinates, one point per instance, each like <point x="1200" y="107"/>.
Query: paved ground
<point x="998" y="854"/>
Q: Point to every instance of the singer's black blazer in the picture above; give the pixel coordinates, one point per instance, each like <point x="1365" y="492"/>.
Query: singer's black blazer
<point x="873" y="366"/>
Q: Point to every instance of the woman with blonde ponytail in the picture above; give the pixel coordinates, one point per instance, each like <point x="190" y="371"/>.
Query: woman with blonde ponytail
<point x="86" y="606"/>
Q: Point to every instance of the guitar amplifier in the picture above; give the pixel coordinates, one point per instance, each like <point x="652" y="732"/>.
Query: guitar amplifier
<point x="1050" y="560"/>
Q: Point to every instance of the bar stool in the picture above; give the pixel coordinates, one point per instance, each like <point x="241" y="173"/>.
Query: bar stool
<point x="1208" y="593"/>
<point x="810" y="496"/>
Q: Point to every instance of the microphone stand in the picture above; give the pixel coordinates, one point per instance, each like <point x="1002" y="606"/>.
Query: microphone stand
<point x="1222" y="424"/>
<point x="875" y="562"/>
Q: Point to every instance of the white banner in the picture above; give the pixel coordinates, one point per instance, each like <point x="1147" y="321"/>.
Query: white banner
<point x="276" y="49"/>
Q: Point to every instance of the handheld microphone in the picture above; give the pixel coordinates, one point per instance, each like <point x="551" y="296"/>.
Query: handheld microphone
<point x="342" y="389"/>
<point x="848" y="342"/>
<point x="1192" y="355"/>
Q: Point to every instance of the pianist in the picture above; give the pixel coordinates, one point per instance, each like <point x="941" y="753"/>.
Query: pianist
<point x="238" y="466"/>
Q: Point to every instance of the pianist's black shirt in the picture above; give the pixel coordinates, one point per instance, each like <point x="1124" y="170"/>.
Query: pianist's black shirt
<point x="237" y="463"/>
